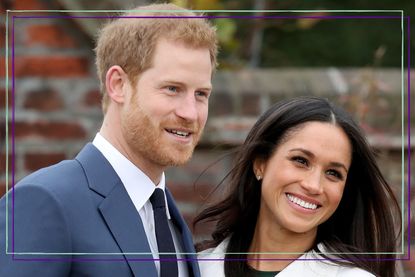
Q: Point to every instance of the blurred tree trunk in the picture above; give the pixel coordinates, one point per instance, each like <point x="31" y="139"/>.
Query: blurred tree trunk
<point x="257" y="36"/>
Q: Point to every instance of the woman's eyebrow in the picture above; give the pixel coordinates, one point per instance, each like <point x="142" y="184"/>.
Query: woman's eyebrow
<point x="311" y="154"/>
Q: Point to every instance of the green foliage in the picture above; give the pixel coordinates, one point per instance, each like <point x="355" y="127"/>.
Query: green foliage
<point x="310" y="42"/>
<point x="199" y="4"/>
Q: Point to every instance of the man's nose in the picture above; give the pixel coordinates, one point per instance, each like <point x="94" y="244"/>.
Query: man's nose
<point x="186" y="108"/>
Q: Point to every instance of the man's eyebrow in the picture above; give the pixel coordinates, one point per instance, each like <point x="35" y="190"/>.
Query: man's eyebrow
<point x="172" y="82"/>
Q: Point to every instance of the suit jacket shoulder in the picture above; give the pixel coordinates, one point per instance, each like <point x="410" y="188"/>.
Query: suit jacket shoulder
<point x="75" y="214"/>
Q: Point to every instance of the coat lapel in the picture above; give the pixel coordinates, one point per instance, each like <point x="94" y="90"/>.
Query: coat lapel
<point x="127" y="228"/>
<point x="118" y="211"/>
<point x="186" y="235"/>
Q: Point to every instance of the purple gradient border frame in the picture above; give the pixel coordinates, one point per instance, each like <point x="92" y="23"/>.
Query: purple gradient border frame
<point x="210" y="17"/>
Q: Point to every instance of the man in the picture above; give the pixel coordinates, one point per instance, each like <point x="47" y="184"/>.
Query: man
<point x="97" y="215"/>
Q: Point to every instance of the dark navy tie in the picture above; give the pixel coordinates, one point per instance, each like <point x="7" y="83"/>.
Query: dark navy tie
<point x="168" y="262"/>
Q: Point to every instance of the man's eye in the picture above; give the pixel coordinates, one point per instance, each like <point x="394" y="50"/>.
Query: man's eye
<point x="172" y="88"/>
<point x="202" y="94"/>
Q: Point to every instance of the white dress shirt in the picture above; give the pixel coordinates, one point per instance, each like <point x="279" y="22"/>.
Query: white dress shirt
<point x="140" y="187"/>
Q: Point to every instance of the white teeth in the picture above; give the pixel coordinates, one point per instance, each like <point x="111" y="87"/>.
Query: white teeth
<point x="301" y="203"/>
<point x="180" y="133"/>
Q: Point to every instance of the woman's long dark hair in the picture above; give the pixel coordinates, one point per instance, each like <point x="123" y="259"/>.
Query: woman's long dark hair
<point x="364" y="221"/>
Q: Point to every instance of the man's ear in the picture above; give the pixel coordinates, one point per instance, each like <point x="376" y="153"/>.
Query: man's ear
<point x="115" y="81"/>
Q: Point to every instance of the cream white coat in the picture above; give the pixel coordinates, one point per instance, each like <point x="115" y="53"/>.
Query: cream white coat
<point x="212" y="266"/>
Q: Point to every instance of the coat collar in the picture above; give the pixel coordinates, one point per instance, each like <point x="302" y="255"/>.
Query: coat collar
<point x="117" y="210"/>
<point x="122" y="218"/>
<point x="309" y="264"/>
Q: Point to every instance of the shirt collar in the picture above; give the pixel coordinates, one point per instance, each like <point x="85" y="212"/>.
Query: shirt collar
<point x="138" y="185"/>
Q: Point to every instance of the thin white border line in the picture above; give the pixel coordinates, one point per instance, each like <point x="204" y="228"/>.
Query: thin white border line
<point x="232" y="11"/>
<point x="188" y="253"/>
<point x="403" y="135"/>
<point x="210" y="11"/>
<point x="7" y="129"/>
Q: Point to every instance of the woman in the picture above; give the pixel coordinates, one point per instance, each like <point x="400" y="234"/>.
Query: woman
<point x="305" y="186"/>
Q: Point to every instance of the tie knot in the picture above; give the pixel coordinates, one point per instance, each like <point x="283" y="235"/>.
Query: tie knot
<point x="157" y="199"/>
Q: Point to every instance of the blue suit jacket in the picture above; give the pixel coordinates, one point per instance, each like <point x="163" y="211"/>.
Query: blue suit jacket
<point x="80" y="209"/>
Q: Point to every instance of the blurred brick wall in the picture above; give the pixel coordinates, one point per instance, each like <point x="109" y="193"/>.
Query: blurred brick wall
<point x="56" y="105"/>
<point x="56" y="99"/>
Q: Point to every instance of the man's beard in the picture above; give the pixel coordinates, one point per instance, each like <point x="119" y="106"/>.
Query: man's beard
<point x="150" y="142"/>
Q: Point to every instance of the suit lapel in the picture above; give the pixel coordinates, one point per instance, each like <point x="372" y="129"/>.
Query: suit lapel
<point x="127" y="228"/>
<point x="186" y="235"/>
<point x="118" y="210"/>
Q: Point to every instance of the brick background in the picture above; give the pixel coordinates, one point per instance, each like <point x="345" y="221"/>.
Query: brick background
<point x="35" y="160"/>
<point x="3" y="67"/>
<point x="43" y="100"/>
<point x="57" y="109"/>
<point x="49" y="36"/>
<point x="51" y="66"/>
<point x="29" y="5"/>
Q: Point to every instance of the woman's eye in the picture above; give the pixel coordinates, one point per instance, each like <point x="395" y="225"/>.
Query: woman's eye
<point x="300" y="160"/>
<point x="335" y="173"/>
